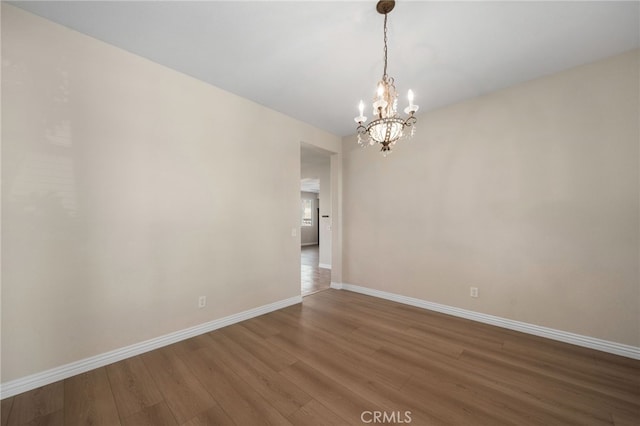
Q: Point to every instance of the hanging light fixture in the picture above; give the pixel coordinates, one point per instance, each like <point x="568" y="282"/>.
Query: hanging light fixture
<point x="387" y="127"/>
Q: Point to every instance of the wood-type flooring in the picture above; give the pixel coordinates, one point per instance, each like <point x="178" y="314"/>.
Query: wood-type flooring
<point x="342" y="358"/>
<point x="313" y="278"/>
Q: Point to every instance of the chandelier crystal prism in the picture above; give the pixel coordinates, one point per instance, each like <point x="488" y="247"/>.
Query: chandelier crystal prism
<point x="387" y="127"/>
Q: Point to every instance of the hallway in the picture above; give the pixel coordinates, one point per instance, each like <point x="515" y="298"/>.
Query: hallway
<point x="312" y="277"/>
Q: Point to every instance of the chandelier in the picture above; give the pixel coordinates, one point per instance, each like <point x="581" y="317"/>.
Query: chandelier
<point x="387" y="127"/>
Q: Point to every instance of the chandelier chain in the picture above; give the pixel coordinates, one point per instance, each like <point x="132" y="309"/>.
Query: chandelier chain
<point x="384" y="74"/>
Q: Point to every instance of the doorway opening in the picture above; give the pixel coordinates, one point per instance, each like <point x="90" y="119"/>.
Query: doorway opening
<point x="315" y="225"/>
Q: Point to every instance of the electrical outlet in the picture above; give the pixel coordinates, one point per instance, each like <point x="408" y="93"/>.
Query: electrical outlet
<point x="473" y="292"/>
<point x="202" y="302"/>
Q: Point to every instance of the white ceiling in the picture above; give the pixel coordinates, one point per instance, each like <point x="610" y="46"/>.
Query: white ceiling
<point x="315" y="60"/>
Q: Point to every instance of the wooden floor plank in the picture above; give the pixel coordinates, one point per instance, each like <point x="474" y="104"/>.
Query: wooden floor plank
<point x="357" y="316"/>
<point x="282" y="394"/>
<point x="237" y="398"/>
<point x="88" y="400"/>
<point x="474" y="337"/>
<point x="479" y="386"/>
<point x="429" y="346"/>
<point x="52" y="419"/>
<point x="133" y="387"/>
<point x="339" y="399"/>
<point x="260" y="327"/>
<point x="626" y="419"/>
<point x="331" y="319"/>
<point x="581" y="381"/>
<point x="213" y="416"/>
<point x="5" y="410"/>
<point x="38" y="403"/>
<point x="273" y="356"/>
<point x="154" y="415"/>
<point x="347" y="338"/>
<point x="183" y="392"/>
<point x="314" y="413"/>
<point x="543" y="392"/>
<point x="450" y="404"/>
<point x="312" y="350"/>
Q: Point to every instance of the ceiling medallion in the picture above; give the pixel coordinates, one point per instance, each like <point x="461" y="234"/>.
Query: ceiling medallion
<point x="387" y="127"/>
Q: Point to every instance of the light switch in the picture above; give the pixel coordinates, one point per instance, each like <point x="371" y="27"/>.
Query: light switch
<point x="294" y="232"/>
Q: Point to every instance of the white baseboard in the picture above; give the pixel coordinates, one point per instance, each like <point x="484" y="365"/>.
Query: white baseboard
<point x="550" y="333"/>
<point x="37" y="380"/>
<point x="309" y="244"/>
<point x="324" y="265"/>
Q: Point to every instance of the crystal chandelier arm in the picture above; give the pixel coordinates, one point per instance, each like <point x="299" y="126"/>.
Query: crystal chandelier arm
<point x="410" y="121"/>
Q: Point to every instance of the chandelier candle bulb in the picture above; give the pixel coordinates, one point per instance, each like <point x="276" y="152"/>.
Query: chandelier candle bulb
<point x="410" y="96"/>
<point x="361" y="118"/>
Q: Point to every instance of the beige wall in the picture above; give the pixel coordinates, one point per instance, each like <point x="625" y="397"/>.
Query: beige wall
<point x="309" y="234"/>
<point x="530" y="194"/>
<point x="128" y="191"/>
